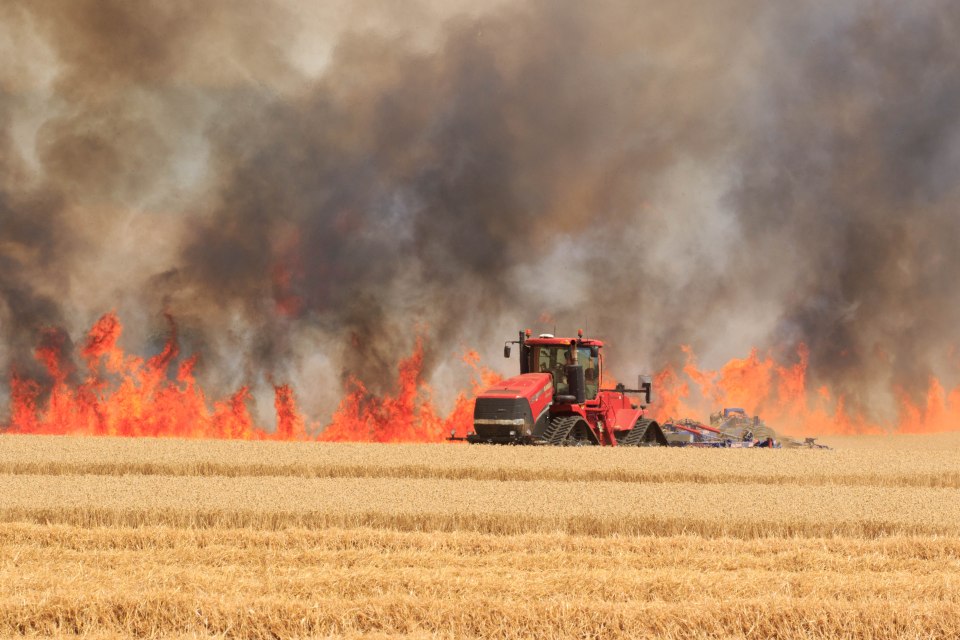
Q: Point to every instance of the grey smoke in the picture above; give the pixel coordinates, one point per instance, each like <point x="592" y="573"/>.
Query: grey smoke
<point x="307" y="189"/>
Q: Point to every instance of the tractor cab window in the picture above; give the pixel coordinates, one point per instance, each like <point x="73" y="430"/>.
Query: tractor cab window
<point x="553" y="359"/>
<point x="591" y="372"/>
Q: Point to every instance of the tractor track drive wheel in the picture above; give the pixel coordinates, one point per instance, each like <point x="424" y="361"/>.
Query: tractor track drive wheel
<point x="644" y="433"/>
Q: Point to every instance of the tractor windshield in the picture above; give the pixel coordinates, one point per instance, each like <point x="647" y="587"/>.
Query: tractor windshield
<point x="553" y="359"/>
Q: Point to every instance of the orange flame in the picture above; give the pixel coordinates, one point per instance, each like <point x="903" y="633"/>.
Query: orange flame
<point x="125" y="395"/>
<point x="408" y="416"/>
<point x="778" y="393"/>
<point x="114" y="393"/>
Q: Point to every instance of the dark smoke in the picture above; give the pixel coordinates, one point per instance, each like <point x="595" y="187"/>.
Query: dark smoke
<point x="852" y="179"/>
<point x="308" y="190"/>
<point x="28" y="223"/>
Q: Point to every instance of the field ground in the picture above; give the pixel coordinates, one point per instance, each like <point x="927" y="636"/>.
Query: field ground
<point x="107" y="537"/>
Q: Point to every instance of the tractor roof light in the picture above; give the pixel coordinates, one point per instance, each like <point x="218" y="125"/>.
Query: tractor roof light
<point x="579" y="333"/>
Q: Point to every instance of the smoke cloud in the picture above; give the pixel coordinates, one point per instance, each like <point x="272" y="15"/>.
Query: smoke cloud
<point x="308" y="188"/>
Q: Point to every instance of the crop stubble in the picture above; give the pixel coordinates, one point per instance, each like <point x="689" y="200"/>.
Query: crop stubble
<point x="159" y="537"/>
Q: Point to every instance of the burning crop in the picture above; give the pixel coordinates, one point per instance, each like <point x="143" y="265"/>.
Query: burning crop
<point x="117" y="394"/>
<point x="111" y="392"/>
<point x="780" y="393"/>
<point x="405" y="416"/>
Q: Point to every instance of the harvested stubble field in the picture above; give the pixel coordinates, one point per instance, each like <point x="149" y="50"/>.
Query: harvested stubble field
<point x="113" y="537"/>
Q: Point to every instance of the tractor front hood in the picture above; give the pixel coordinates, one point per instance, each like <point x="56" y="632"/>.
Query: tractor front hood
<point x="526" y="386"/>
<point x="512" y="410"/>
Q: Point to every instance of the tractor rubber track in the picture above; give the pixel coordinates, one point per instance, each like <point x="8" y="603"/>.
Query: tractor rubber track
<point x="559" y="428"/>
<point x="637" y="435"/>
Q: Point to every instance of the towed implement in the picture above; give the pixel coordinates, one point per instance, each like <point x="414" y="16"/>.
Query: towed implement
<point x="558" y="399"/>
<point x="731" y="427"/>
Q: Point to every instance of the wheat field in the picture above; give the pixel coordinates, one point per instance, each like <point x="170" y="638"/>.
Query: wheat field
<point x="104" y="537"/>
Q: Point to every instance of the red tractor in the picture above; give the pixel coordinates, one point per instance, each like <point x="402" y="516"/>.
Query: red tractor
<point x="558" y="399"/>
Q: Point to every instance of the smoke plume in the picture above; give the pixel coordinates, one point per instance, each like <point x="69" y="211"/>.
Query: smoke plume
<point x="308" y="188"/>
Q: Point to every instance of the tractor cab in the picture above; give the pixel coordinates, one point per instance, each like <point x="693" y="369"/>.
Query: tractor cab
<point x="551" y="355"/>
<point x="573" y="364"/>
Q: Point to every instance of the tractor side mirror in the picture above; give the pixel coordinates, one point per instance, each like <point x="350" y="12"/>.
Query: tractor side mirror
<point x="594" y="352"/>
<point x="506" y="350"/>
